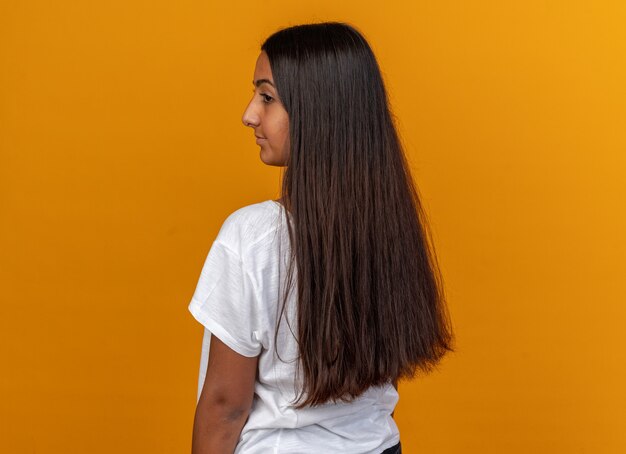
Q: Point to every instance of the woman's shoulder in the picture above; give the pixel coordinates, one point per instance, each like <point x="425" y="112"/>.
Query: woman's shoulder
<point x="251" y="213"/>
<point x="248" y="225"/>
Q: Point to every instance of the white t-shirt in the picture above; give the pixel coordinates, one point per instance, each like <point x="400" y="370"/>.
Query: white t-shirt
<point x="237" y="299"/>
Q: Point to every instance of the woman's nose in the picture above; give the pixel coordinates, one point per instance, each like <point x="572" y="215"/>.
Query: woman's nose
<point x="250" y="118"/>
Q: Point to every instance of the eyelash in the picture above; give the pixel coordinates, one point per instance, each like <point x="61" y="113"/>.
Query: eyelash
<point x="265" y="97"/>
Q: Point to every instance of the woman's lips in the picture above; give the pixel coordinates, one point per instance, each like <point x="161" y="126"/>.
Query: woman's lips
<point x="260" y="139"/>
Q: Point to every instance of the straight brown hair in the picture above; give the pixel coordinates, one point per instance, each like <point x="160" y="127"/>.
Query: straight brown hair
<point x="370" y="299"/>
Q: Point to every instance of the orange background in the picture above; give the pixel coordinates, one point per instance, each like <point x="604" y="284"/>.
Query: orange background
<point x="122" y="151"/>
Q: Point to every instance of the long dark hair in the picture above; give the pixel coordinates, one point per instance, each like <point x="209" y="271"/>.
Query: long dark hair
<point x="370" y="300"/>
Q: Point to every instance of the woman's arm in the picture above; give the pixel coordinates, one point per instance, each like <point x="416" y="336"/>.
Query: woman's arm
<point x="225" y="400"/>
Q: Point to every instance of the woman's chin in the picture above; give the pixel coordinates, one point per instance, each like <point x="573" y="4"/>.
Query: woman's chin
<point x="269" y="159"/>
<point x="266" y="158"/>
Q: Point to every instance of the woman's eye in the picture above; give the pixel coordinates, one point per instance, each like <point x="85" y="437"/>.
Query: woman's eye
<point x="266" y="98"/>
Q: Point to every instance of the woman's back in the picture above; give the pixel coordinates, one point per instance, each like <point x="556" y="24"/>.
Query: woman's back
<point x="237" y="298"/>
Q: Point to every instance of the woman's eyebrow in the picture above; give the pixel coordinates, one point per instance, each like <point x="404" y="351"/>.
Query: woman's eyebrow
<point x="260" y="82"/>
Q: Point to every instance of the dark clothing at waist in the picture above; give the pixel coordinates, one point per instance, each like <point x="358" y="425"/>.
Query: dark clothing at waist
<point x="397" y="449"/>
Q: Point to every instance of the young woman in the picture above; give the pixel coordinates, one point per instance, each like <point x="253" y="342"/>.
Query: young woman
<point x="308" y="361"/>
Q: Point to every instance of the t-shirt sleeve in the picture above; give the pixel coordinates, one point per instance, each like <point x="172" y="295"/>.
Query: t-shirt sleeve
<point x="225" y="303"/>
